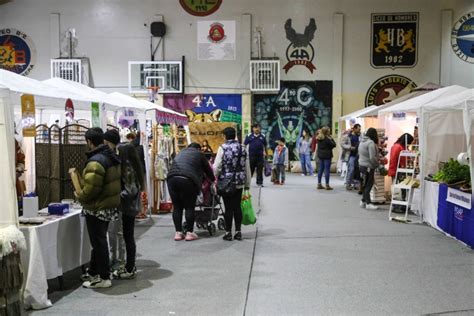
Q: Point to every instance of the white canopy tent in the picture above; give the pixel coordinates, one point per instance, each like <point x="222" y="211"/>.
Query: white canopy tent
<point x="402" y="117"/>
<point x="425" y="88"/>
<point x="446" y="129"/>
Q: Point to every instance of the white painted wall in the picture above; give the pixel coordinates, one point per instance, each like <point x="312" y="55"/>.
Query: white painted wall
<point x="112" y="32"/>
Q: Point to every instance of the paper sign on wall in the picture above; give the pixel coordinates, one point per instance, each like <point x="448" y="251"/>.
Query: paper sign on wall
<point x="216" y="40"/>
<point x="28" y="115"/>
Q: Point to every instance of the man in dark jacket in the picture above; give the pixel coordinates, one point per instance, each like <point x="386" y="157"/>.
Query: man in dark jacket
<point x="257" y="144"/>
<point x="184" y="184"/>
<point x="100" y="199"/>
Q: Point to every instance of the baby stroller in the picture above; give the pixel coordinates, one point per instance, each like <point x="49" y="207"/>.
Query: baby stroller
<point x="209" y="209"/>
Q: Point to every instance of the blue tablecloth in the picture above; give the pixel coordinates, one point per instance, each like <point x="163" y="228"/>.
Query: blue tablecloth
<point x="455" y="220"/>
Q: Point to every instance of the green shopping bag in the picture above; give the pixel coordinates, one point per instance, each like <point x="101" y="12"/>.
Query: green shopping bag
<point x="248" y="215"/>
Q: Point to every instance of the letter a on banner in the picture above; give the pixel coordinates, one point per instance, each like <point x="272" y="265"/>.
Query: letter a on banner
<point x="28" y="115"/>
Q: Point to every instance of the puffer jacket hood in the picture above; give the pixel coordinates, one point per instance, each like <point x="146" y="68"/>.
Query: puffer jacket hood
<point x="368" y="153"/>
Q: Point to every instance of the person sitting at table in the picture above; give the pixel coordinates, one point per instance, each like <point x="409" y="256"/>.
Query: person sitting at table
<point x="100" y="199"/>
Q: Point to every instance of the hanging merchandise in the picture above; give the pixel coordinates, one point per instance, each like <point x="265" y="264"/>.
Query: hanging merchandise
<point x="377" y="194"/>
<point x="28" y="115"/>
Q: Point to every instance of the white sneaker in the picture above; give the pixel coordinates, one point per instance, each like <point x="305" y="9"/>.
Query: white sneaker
<point x="362" y="204"/>
<point x="97" y="283"/>
<point x="371" y="207"/>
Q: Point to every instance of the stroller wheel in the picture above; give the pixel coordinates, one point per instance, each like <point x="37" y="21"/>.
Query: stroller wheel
<point x="221" y="224"/>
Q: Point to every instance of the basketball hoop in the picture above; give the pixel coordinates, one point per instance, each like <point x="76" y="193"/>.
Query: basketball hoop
<point x="153" y="93"/>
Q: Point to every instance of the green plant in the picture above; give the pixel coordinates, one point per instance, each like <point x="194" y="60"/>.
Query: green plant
<point x="453" y="172"/>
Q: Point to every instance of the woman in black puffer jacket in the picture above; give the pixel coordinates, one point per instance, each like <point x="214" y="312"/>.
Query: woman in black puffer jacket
<point x="130" y="205"/>
<point x="325" y="147"/>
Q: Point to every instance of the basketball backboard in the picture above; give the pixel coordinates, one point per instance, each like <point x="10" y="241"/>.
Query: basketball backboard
<point x="168" y="75"/>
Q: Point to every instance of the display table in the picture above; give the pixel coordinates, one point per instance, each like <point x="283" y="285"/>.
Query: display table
<point x="430" y="203"/>
<point x="455" y="215"/>
<point x="59" y="245"/>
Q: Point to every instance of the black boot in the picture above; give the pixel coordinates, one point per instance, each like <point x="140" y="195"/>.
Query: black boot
<point x="238" y="236"/>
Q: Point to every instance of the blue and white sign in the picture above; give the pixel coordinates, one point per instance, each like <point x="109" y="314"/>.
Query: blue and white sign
<point x="462" y="38"/>
<point x="459" y="198"/>
<point x="17" y="51"/>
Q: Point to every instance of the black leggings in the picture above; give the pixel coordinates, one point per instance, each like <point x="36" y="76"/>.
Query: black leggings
<point x="369" y="180"/>
<point x="233" y="210"/>
<point x="128" y="224"/>
<point x="183" y="194"/>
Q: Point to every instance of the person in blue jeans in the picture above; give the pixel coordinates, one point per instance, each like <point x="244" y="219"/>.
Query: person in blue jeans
<point x="304" y="150"/>
<point x="326" y="145"/>
<point x="354" y="137"/>
<point x="280" y="161"/>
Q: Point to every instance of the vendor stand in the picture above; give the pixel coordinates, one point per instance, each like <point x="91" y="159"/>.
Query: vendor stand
<point x="446" y="130"/>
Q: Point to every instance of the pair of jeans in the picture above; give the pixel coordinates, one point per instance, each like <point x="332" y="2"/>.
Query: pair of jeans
<point x="99" y="264"/>
<point x="183" y="194"/>
<point x="351" y="167"/>
<point x="257" y="163"/>
<point x="129" y="237"/>
<point x="306" y="165"/>
<point x="233" y="210"/>
<point x="368" y="177"/>
<point x="280" y="173"/>
<point x="116" y="242"/>
<point x="324" y="167"/>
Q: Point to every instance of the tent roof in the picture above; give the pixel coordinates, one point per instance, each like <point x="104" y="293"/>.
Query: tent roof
<point x="414" y="104"/>
<point x="45" y="95"/>
<point x="456" y="101"/>
<point x="425" y="88"/>
<point x="358" y="113"/>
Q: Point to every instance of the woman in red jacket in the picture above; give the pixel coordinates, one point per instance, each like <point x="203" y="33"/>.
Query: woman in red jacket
<point x="400" y="145"/>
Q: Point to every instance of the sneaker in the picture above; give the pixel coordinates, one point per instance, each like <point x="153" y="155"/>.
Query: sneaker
<point x="238" y="236"/>
<point x="227" y="236"/>
<point x="87" y="277"/>
<point x="282" y="183"/>
<point x="179" y="236"/>
<point x="97" y="283"/>
<point x="191" y="236"/>
<point x="362" y="204"/>
<point x="320" y="187"/>
<point x="328" y="188"/>
<point x="276" y="182"/>
<point x="371" y="207"/>
<point x="123" y="274"/>
<point x="303" y="175"/>
<point x="349" y="187"/>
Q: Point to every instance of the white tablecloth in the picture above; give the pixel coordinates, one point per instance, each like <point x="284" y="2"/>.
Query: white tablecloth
<point x="53" y="248"/>
<point x="430" y="203"/>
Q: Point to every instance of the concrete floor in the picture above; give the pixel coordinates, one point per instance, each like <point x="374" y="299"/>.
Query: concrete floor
<point x="312" y="253"/>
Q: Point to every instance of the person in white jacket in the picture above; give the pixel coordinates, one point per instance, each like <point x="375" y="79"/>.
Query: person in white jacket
<point x="232" y="162"/>
<point x="280" y="161"/>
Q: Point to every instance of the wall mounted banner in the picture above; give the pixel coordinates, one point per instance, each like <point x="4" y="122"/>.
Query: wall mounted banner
<point x="462" y="38"/>
<point x="300" y="52"/>
<point x="299" y="105"/>
<point x="28" y="115"/>
<point x="216" y="40"/>
<point x="95" y="114"/>
<point x="200" y="7"/>
<point x="212" y="132"/>
<point x="206" y="108"/>
<point x="69" y="111"/>
<point x="17" y="51"/>
<point x="394" y="40"/>
<point x="387" y="89"/>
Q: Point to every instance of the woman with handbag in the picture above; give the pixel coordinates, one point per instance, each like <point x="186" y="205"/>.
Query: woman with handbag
<point x="232" y="169"/>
